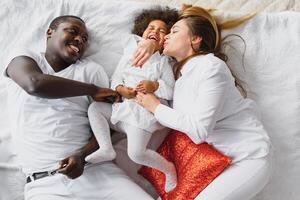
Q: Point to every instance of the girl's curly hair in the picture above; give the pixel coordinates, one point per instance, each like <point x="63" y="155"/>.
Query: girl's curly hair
<point x="165" y="14"/>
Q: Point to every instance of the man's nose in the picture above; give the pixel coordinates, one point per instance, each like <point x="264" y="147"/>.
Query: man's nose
<point x="79" y="38"/>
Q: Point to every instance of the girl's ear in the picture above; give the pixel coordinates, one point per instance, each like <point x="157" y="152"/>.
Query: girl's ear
<point x="49" y="33"/>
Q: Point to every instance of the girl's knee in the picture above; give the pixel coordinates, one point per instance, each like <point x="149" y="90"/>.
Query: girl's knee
<point x="136" y="156"/>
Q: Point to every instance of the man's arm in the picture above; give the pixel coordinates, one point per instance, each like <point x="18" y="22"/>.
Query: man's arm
<point x="73" y="165"/>
<point x="27" y="74"/>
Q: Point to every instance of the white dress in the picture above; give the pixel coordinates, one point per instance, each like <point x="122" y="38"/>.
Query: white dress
<point x="157" y="68"/>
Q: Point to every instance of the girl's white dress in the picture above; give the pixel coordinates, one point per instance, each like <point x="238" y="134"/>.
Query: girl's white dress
<point x="157" y="68"/>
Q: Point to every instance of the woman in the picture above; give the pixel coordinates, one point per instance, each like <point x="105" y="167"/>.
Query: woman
<point x="207" y="107"/>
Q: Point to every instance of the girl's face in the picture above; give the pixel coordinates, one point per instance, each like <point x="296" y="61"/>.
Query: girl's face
<point x="178" y="43"/>
<point x="156" y="31"/>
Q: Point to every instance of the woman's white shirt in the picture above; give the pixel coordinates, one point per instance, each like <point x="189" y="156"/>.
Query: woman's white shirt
<point x="208" y="108"/>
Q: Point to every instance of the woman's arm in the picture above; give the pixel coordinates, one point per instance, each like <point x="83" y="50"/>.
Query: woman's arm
<point x="144" y="51"/>
<point x="200" y="122"/>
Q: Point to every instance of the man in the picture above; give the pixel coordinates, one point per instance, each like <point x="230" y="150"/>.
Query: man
<point x="48" y="97"/>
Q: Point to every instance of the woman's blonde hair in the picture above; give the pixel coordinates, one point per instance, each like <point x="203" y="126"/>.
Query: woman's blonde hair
<point x="204" y="15"/>
<point x="202" y="23"/>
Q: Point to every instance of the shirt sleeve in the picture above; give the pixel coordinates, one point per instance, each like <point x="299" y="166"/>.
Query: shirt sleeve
<point x="166" y="80"/>
<point x="129" y="43"/>
<point x="117" y="77"/>
<point x="210" y="100"/>
<point x="20" y="51"/>
<point x="100" y="77"/>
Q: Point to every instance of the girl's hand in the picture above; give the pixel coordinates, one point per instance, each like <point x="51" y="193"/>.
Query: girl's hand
<point x="147" y="86"/>
<point x="148" y="101"/>
<point x="126" y="92"/>
<point x="143" y="52"/>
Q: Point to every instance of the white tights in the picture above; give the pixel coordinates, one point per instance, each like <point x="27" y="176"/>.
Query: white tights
<point x="99" y="114"/>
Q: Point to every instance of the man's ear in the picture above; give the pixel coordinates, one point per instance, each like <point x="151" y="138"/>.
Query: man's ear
<point x="49" y="33"/>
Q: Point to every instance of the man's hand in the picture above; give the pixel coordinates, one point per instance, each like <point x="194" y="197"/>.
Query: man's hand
<point x="147" y="86"/>
<point x="72" y="166"/>
<point x="126" y="92"/>
<point x="144" y="51"/>
<point x="106" y="95"/>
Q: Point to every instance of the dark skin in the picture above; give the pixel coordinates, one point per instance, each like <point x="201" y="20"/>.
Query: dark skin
<point x="65" y="45"/>
<point x="73" y="165"/>
<point x="61" y="52"/>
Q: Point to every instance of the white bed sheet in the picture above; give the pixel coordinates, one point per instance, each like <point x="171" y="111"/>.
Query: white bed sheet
<point x="272" y="71"/>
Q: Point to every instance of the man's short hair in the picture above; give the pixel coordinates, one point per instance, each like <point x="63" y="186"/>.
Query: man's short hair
<point x="58" y="20"/>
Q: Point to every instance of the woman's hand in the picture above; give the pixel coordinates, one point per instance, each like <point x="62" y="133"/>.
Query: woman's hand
<point x="147" y="86"/>
<point x="143" y="52"/>
<point x="148" y="101"/>
<point x="126" y="92"/>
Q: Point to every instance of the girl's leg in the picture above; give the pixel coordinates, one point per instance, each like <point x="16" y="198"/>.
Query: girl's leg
<point x="101" y="131"/>
<point x="106" y="109"/>
<point x="138" y="152"/>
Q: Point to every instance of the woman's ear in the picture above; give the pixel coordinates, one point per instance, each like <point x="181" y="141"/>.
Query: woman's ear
<point x="196" y="41"/>
<point x="49" y="33"/>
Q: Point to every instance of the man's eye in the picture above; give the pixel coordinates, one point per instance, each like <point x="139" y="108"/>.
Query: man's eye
<point x="73" y="31"/>
<point x="84" y="39"/>
<point x="163" y="31"/>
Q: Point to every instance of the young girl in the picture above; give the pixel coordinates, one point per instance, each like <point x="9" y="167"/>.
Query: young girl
<point x="155" y="76"/>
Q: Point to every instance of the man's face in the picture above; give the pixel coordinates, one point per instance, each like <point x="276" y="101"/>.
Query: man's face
<point x="68" y="41"/>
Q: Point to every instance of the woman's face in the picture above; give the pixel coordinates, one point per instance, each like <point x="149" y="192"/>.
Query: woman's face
<point x="156" y="31"/>
<point x="178" y="41"/>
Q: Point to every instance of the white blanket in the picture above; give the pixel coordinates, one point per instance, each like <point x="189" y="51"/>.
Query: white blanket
<point x="271" y="69"/>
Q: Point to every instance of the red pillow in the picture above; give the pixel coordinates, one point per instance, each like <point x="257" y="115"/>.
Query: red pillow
<point x="197" y="166"/>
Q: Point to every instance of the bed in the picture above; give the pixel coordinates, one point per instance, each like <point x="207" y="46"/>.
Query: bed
<point x="268" y="65"/>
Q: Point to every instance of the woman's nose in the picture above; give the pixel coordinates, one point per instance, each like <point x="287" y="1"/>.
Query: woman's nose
<point x="167" y="37"/>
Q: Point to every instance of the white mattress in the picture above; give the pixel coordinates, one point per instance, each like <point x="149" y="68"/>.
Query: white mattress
<point x="272" y="71"/>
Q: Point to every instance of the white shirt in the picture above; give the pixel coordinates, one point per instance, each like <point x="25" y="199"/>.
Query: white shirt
<point x="208" y="108"/>
<point x="157" y="68"/>
<point x="46" y="131"/>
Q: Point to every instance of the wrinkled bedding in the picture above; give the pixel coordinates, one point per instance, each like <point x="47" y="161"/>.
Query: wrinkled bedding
<point x="270" y="69"/>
